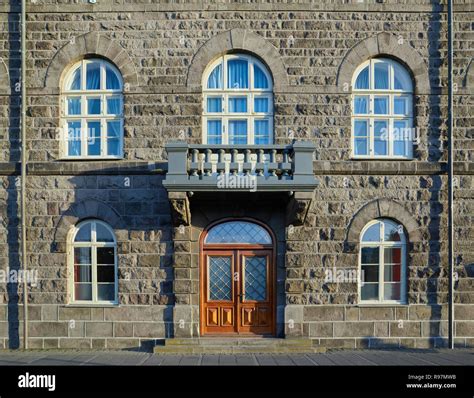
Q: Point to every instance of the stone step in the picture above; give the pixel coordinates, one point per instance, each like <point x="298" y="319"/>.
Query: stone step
<point x="236" y="346"/>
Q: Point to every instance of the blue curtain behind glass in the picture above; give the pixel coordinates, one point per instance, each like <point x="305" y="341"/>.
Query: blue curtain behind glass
<point x="260" y="80"/>
<point x="93" y="76"/>
<point x="381" y="75"/>
<point x="238" y="75"/>
<point x="111" y="80"/>
<point x="74" y="138"/>
<point x="113" y="106"/>
<point x="362" y="81"/>
<point x="215" y="78"/>
<point x="76" y="80"/>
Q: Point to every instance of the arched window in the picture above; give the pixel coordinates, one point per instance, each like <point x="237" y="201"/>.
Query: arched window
<point x="238" y="102"/>
<point x="383" y="262"/>
<point x="92" y="111"/>
<point x="382" y="110"/>
<point x="93" y="262"/>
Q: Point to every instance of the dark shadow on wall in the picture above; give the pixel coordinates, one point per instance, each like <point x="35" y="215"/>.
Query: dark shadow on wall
<point x="434" y="271"/>
<point x="141" y="207"/>
<point x="13" y="189"/>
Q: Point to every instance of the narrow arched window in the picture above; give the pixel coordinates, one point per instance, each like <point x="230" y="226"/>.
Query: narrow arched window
<point x="238" y="102"/>
<point x="92" y="111"/>
<point x="382" y="110"/>
<point x="383" y="262"/>
<point x="93" y="262"/>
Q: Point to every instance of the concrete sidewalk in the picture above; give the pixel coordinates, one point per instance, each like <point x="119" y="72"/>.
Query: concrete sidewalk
<point x="351" y="358"/>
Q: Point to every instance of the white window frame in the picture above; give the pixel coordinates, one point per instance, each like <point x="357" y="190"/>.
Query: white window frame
<point x="225" y="93"/>
<point x="103" y="94"/>
<point x="391" y="117"/>
<point x="382" y="245"/>
<point x="93" y="244"/>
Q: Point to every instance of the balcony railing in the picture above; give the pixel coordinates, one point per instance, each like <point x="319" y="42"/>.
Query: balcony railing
<point x="248" y="167"/>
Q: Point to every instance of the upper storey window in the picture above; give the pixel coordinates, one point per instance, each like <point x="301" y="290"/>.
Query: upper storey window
<point x="92" y="109"/>
<point x="238" y="102"/>
<point x="382" y="110"/>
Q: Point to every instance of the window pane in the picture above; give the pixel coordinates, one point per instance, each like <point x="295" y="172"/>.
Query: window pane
<point x="113" y="138"/>
<point x="106" y="292"/>
<point x="74" y="138"/>
<point x="392" y="272"/>
<point x="82" y="255"/>
<point x="82" y="273"/>
<point x="360" y="146"/>
<point x="261" y="105"/>
<point x="93" y="106"/>
<point x="380" y="137"/>
<point x="369" y="255"/>
<point x="400" y="106"/>
<point x="84" y="233"/>
<point x="83" y="291"/>
<point x="237" y="132"/>
<point x="360" y="128"/>
<point x="237" y="75"/>
<point x="105" y="273"/>
<point x="74" y="106"/>
<point x="114" y="106"/>
<point x="93" y="76"/>
<point x="76" y="79"/>
<point x="214" y="104"/>
<point x="372" y="234"/>
<point x="362" y="82"/>
<point x="393" y="255"/>
<point x="262" y="133"/>
<point x="237" y="104"/>
<point x="391" y="291"/>
<point x="112" y="82"/>
<point x="401" y="134"/>
<point x="369" y="291"/>
<point x="255" y="278"/>
<point x="238" y="232"/>
<point x="260" y="80"/>
<point x="214" y="132"/>
<point x="215" y="78"/>
<point x="391" y="232"/>
<point x="105" y="256"/>
<point x="381" y="105"/>
<point x="220" y="278"/>
<point x="381" y="76"/>
<point x="93" y="138"/>
<point x="370" y="273"/>
<point x="361" y="105"/>
<point x="103" y="234"/>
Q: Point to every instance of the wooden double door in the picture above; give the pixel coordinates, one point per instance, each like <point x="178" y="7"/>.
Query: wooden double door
<point x="237" y="292"/>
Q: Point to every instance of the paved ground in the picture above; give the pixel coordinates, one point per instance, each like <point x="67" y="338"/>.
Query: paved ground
<point x="352" y="358"/>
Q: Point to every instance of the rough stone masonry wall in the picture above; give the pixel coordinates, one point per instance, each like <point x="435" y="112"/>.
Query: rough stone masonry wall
<point x="159" y="41"/>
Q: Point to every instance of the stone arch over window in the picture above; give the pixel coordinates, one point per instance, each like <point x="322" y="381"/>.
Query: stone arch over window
<point x="90" y="44"/>
<point x="88" y="208"/>
<point x="4" y="79"/>
<point x="389" y="45"/>
<point x="381" y="208"/>
<point x="237" y="40"/>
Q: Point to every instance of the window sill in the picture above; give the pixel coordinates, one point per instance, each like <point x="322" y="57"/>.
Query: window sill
<point x="381" y="158"/>
<point x="363" y="305"/>
<point x="91" y="305"/>
<point x="85" y="159"/>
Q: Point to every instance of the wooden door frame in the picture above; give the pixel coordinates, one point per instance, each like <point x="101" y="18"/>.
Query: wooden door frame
<point x="238" y="246"/>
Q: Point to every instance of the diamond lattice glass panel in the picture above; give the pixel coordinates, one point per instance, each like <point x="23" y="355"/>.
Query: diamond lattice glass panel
<point x="238" y="232"/>
<point x="220" y="278"/>
<point x="256" y="278"/>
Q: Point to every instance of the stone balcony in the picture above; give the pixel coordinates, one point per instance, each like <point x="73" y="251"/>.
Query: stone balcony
<point x="255" y="168"/>
<point x="280" y="170"/>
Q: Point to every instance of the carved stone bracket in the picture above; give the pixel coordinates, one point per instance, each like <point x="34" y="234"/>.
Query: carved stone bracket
<point x="180" y="209"/>
<point x="297" y="208"/>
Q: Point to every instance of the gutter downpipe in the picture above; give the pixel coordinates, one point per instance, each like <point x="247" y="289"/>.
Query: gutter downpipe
<point x="450" y="178"/>
<point x="23" y="174"/>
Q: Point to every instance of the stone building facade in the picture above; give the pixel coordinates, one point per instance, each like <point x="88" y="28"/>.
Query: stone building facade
<point x="161" y="50"/>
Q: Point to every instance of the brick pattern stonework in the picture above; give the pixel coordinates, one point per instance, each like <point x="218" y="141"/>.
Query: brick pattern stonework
<point x="161" y="49"/>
